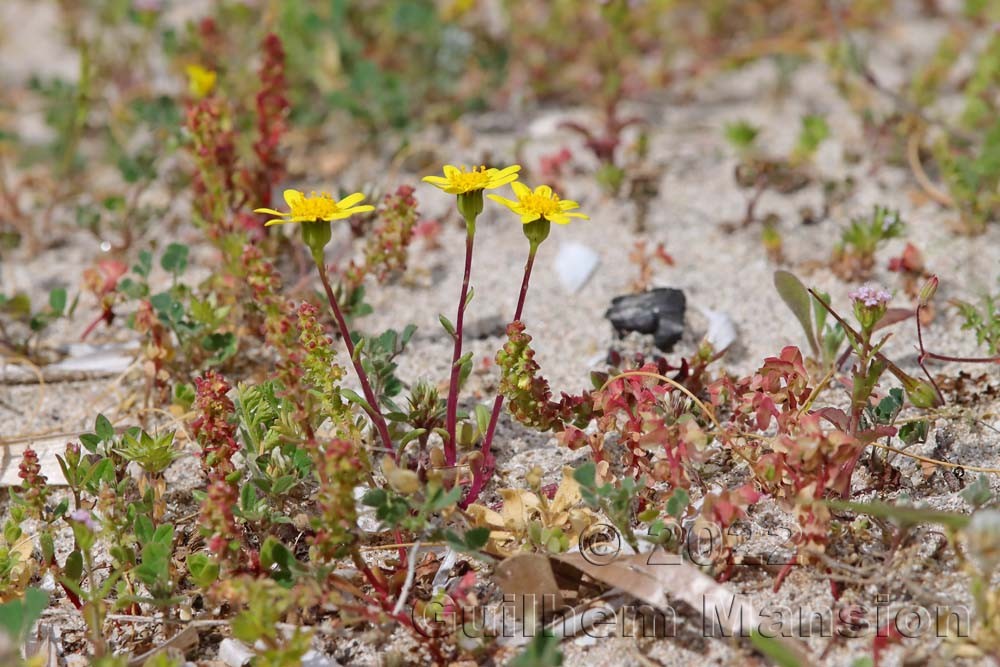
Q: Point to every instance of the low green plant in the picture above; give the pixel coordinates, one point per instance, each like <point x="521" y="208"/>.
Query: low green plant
<point x="984" y="320"/>
<point x="854" y="257"/>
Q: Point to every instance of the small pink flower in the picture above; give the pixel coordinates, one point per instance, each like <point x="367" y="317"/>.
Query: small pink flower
<point x="871" y="295"/>
<point x="84" y="517"/>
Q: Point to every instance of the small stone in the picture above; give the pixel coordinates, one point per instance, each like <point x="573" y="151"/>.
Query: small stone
<point x="235" y="653"/>
<point x="313" y="658"/>
<point x="659" y="312"/>
<point x="575" y="264"/>
<point x="721" y="332"/>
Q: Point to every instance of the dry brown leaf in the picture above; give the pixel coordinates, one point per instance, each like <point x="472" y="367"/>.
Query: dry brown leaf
<point x="528" y="583"/>
<point x="656" y="584"/>
<point x="568" y="493"/>
<point x="519" y="507"/>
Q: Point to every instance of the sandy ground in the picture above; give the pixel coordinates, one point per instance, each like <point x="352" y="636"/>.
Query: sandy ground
<point x="717" y="269"/>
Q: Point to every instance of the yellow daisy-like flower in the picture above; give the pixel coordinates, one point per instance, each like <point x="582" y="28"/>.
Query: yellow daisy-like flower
<point x="462" y="181"/>
<point x="201" y="80"/>
<point x="315" y="208"/>
<point x="539" y="204"/>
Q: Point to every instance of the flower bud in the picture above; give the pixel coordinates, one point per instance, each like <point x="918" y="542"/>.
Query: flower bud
<point x="470" y="205"/>
<point x="537" y="231"/>
<point x="922" y="395"/>
<point x="928" y="290"/>
<point x="870" y="303"/>
<point x="402" y="480"/>
<point x="72" y="454"/>
<point x="534" y="478"/>
<point x="316" y="235"/>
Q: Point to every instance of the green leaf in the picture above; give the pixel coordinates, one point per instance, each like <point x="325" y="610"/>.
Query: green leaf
<point x="57" y="300"/>
<point x="353" y="397"/>
<point x="73" y="567"/>
<point x="448" y="326"/>
<point x="277" y="559"/>
<point x="476" y="538"/>
<point x="407" y="334"/>
<point x="678" y="503"/>
<point x="586" y="475"/>
<point x="374" y="498"/>
<point x="440" y="499"/>
<point x="204" y="571"/>
<point x="103" y="428"/>
<point x="741" y="134"/>
<point x="175" y="258"/>
<point x="90" y="441"/>
<point x="799" y="301"/>
<point x="543" y="651"/>
<point x="17" y="617"/>
<point x="143" y="528"/>
<point x="145" y="264"/>
<point x="248" y="498"/>
<point x="482" y="418"/>
<point x="780" y="653"/>
<point x="224" y="345"/>
<point x="913" y="432"/>
<point x="412" y="435"/>
<point x="978" y="493"/>
<point x="908" y="516"/>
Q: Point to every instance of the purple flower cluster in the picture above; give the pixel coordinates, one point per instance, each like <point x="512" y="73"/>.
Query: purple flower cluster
<point x="871" y="295"/>
<point x="84" y="517"/>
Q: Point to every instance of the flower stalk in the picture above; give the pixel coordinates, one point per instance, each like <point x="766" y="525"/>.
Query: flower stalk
<point x="315" y="213"/>
<point x="484" y="469"/>
<point x="468" y="187"/>
<point x="372" y="409"/>
<point x="451" y="418"/>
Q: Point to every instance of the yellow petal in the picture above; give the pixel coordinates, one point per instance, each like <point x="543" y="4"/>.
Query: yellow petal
<point x="507" y="171"/>
<point x="293" y="197"/>
<point x="278" y="221"/>
<point x="350" y="200"/>
<point x="544" y="191"/>
<point x="450" y="171"/>
<point x="520" y="189"/>
<point x="359" y="209"/>
<point x="500" y="181"/>
<point x="502" y="200"/>
<point x="436" y="180"/>
<point x="529" y="217"/>
<point x="269" y="211"/>
<point x="558" y="218"/>
<point x="567" y="204"/>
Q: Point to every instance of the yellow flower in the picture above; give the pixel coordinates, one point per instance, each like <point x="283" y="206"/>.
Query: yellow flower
<point x="201" y="81"/>
<point x="460" y="181"/>
<point x="540" y="204"/>
<point x="316" y="207"/>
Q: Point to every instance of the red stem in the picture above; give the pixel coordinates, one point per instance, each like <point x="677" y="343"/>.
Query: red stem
<point x="102" y="317"/>
<point x="451" y="424"/>
<point x="484" y="471"/>
<point x="923" y="354"/>
<point x="374" y="413"/>
<point x="963" y="360"/>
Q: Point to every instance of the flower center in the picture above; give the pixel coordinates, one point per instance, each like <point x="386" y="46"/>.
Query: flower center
<point x="477" y="179"/>
<point x="315" y="206"/>
<point x="539" y="204"/>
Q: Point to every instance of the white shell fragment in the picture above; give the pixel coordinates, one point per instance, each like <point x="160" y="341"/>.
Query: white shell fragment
<point x="721" y="329"/>
<point x="575" y="264"/>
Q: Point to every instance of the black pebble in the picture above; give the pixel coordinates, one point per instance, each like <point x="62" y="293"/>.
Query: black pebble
<point x="658" y="311"/>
